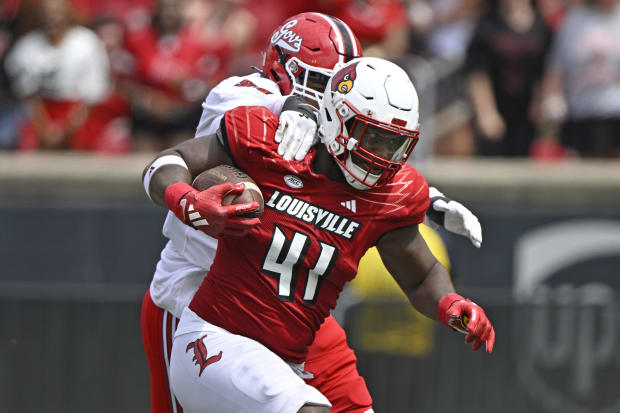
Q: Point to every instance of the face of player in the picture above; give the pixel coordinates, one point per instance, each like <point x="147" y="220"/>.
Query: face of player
<point x="319" y="87"/>
<point x="378" y="146"/>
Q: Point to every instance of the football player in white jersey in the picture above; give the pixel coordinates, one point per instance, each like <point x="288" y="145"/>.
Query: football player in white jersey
<point x="300" y="58"/>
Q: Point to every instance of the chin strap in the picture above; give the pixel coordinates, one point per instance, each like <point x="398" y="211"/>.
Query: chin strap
<point x="259" y="71"/>
<point x="283" y="56"/>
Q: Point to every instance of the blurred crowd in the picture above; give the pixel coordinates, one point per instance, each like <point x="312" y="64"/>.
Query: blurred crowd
<point x="513" y="78"/>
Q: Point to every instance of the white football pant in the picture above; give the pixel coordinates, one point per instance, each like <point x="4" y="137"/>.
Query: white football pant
<point x="214" y="371"/>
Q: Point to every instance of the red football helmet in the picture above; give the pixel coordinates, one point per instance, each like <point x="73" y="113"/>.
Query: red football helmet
<point x="304" y="51"/>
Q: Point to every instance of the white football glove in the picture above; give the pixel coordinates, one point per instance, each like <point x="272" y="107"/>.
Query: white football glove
<point x="296" y="134"/>
<point x="456" y="218"/>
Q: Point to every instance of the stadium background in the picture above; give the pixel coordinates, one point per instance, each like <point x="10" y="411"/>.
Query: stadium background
<point x="79" y="241"/>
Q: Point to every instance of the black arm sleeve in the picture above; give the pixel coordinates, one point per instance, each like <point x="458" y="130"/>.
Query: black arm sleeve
<point x="438" y="217"/>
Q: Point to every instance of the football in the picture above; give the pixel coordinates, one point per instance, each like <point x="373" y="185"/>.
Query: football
<point x="227" y="173"/>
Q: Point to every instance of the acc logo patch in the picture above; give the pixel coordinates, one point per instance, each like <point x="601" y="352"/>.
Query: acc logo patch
<point x="343" y="79"/>
<point x="293" y="181"/>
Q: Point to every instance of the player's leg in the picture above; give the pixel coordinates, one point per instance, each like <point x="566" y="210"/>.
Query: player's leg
<point x="158" y="328"/>
<point x="334" y="366"/>
<point x="214" y="371"/>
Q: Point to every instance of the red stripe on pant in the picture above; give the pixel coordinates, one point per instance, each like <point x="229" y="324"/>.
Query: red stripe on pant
<point x="158" y="327"/>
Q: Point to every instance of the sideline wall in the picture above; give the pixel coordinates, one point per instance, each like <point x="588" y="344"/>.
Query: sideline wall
<point x="79" y="241"/>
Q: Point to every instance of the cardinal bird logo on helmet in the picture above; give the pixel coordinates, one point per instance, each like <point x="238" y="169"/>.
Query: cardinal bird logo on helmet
<point x="343" y="80"/>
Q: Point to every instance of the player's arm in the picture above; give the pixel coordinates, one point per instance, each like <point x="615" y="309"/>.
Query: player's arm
<point x="186" y="161"/>
<point x="429" y="288"/>
<point x="235" y="92"/>
<point x="453" y="216"/>
<point x="167" y="182"/>
<point x="296" y="132"/>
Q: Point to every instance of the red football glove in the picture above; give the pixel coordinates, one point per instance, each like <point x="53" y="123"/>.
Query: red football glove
<point x="467" y="317"/>
<point x="204" y="211"/>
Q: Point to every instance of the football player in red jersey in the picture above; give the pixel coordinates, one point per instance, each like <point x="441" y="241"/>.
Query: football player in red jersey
<point x="324" y="42"/>
<point x="301" y="55"/>
<point x="242" y="343"/>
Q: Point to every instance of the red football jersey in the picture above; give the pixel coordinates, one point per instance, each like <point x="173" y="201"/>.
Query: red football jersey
<point x="277" y="284"/>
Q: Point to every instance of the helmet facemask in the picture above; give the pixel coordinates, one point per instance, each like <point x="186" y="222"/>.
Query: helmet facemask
<point x="308" y="81"/>
<point x="368" y="151"/>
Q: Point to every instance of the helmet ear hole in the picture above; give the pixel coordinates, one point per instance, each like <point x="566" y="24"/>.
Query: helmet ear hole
<point x="294" y="68"/>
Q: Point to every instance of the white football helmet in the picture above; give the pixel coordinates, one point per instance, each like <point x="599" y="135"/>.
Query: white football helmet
<point x="369" y="120"/>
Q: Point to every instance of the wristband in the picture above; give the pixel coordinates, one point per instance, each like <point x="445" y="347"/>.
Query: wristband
<point x="158" y="163"/>
<point x="299" y="104"/>
<point x="444" y="304"/>
<point x="174" y="193"/>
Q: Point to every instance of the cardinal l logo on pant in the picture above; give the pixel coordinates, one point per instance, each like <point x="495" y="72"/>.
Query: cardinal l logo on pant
<point x="200" y="354"/>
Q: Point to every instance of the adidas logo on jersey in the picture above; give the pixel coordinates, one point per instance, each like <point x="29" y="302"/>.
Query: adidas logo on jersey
<point x="350" y="205"/>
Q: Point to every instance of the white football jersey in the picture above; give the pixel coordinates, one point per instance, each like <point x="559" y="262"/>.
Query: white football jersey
<point x="188" y="256"/>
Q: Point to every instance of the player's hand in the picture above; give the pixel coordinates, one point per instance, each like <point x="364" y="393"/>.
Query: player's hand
<point x="467" y="317"/>
<point x="296" y="134"/>
<point x="455" y="217"/>
<point x="203" y="210"/>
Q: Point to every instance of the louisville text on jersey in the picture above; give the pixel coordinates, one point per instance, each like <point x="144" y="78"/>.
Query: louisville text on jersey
<point x="312" y="214"/>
